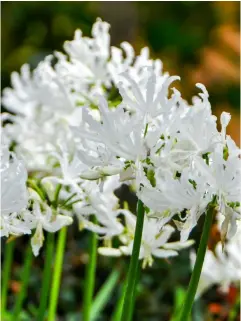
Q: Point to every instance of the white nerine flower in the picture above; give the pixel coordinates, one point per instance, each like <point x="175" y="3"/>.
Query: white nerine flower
<point x="154" y="240"/>
<point x="173" y="195"/>
<point x="122" y="139"/>
<point x="197" y="131"/>
<point x="110" y="142"/>
<point x="223" y="180"/>
<point x="70" y="169"/>
<point x="41" y="89"/>
<point x="89" y="56"/>
<point x="45" y="219"/>
<point x="101" y="202"/>
<point x="221" y="268"/>
<point x="14" y="194"/>
<point x="148" y="101"/>
<point x="135" y="67"/>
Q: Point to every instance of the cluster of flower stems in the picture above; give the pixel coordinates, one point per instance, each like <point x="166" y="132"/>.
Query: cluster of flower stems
<point x="51" y="278"/>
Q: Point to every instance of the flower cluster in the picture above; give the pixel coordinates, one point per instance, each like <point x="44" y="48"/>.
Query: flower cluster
<point x="221" y="268"/>
<point x="23" y="210"/>
<point x="86" y="121"/>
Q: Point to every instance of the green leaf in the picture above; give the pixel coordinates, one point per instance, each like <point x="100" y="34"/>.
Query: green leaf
<point x="104" y="294"/>
<point x="178" y="302"/>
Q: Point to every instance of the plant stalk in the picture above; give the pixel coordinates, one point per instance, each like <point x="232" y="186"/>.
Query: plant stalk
<point x="90" y="276"/>
<point x="7" y="264"/>
<point x="130" y="292"/>
<point x="58" y="264"/>
<point x="192" y="288"/>
<point x="46" y="277"/>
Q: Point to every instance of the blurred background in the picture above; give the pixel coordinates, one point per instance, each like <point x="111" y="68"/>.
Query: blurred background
<point x="200" y="41"/>
<point x="197" y="40"/>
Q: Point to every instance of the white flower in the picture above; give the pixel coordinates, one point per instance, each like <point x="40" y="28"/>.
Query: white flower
<point x="14" y="194"/>
<point x="101" y="202"/>
<point x="118" y="62"/>
<point x="135" y="67"/>
<point x="121" y="139"/>
<point x="173" y="195"/>
<point x="221" y="268"/>
<point x="43" y="88"/>
<point x="223" y="180"/>
<point x="154" y="240"/>
<point x="197" y="131"/>
<point x="20" y="99"/>
<point x="45" y="219"/>
<point x="44" y="107"/>
<point x="149" y="100"/>
<point x="16" y="223"/>
<point x="90" y="55"/>
<point x="110" y="142"/>
<point x="70" y="168"/>
<point x="36" y="139"/>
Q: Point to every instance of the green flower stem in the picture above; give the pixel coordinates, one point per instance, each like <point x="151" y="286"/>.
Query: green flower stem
<point x="119" y="306"/>
<point x="56" y="196"/>
<point x="34" y="185"/>
<point x="129" y="299"/>
<point x="46" y="278"/>
<point x="90" y="276"/>
<point x="67" y="200"/>
<point x="24" y="283"/>
<point x="136" y="284"/>
<point x="54" y="294"/>
<point x="7" y="263"/>
<point x="192" y="288"/>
